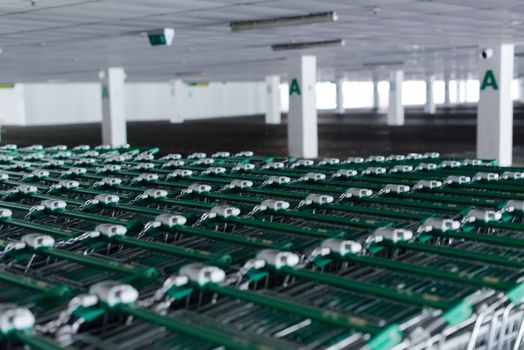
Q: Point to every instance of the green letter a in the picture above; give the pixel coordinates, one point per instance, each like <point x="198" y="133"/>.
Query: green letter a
<point x="489" y="80"/>
<point x="294" y="88"/>
<point x="105" y="92"/>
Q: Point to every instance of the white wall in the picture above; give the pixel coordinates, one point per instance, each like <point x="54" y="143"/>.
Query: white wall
<point x="223" y="100"/>
<point x="146" y="101"/>
<point x="70" y="103"/>
<point x="150" y="101"/>
<point x="12" y="108"/>
<point x="48" y="104"/>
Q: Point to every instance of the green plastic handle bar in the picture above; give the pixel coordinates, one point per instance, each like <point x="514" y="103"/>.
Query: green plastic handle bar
<point x="34" y="284"/>
<point x="103" y="264"/>
<point x="485" y="282"/>
<point x="222" y="260"/>
<point x="242" y="240"/>
<point x="457" y="253"/>
<point x="304" y="231"/>
<point x="425" y="300"/>
<point x="37" y="342"/>
<point x="332" y="318"/>
<point x="216" y="336"/>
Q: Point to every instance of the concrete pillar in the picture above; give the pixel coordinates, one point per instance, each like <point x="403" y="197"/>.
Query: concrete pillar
<point x="447" y="93"/>
<point x="466" y="89"/>
<point x="430" y="107"/>
<point x="340" y="97"/>
<point x="302" y="132"/>
<point x="457" y="91"/>
<point x="176" y="95"/>
<point x="460" y="91"/>
<point x="521" y="88"/>
<point x="114" y="131"/>
<point x="495" y="108"/>
<point x="376" y="101"/>
<point x="273" y="100"/>
<point x="396" y="109"/>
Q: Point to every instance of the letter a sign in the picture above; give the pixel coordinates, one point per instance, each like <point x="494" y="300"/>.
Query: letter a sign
<point x="489" y="80"/>
<point x="105" y="93"/>
<point x="294" y="88"/>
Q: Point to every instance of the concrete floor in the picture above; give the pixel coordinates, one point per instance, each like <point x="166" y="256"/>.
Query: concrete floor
<point x="449" y="132"/>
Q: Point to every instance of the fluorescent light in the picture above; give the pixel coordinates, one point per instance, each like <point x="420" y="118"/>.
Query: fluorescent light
<point x="321" y="17"/>
<point x="381" y="64"/>
<point x="189" y="74"/>
<point x="308" y="45"/>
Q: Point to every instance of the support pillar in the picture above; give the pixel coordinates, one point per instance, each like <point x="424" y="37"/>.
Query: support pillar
<point x="340" y="97"/>
<point x="396" y="109"/>
<point x="273" y="100"/>
<point x="176" y="95"/>
<point x="447" y="93"/>
<point x="457" y="91"/>
<point x="495" y="108"/>
<point x="302" y="120"/>
<point x="462" y="91"/>
<point x="466" y="89"/>
<point x="521" y="88"/>
<point x="114" y="131"/>
<point x="376" y="101"/>
<point x="430" y="107"/>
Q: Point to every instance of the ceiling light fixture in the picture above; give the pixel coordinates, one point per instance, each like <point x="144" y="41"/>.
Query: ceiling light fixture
<point x="189" y="74"/>
<point x="383" y="64"/>
<point x="308" y="45"/>
<point x="321" y="17"/>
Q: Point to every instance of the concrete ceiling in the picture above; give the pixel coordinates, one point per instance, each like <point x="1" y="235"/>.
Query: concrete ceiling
<point x="55" y="40"/>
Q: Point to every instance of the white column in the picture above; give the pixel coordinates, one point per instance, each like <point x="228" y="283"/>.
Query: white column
<point x="376" y="101"/>
<point x="176" y="95"/>
<point x="457" y="91"/>
<point x="273" y="100"/>
<point x="521" y="86"/>
<point x="302" y="132"/>
<point x="114" y="131"/>
<point x="396" y="109"/>
<point x="495" y="108"/>
<point x="447" y="93"/>
<point x="340" y="96"/>
<point x="430" y="107"/>
<point x="466" y="89"/>
<point x="462" y="91"/>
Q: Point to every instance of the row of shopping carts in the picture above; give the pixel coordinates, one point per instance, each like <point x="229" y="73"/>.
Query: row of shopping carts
<point x="129" y="248"/>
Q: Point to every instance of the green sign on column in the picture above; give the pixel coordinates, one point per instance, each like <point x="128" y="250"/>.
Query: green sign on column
<point x="489" y="80"/>
<point x="294" y="87"/>
<point x="105" y="93"/>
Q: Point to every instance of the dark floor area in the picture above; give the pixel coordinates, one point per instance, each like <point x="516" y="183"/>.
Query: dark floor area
<point x="448" y="132"/>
